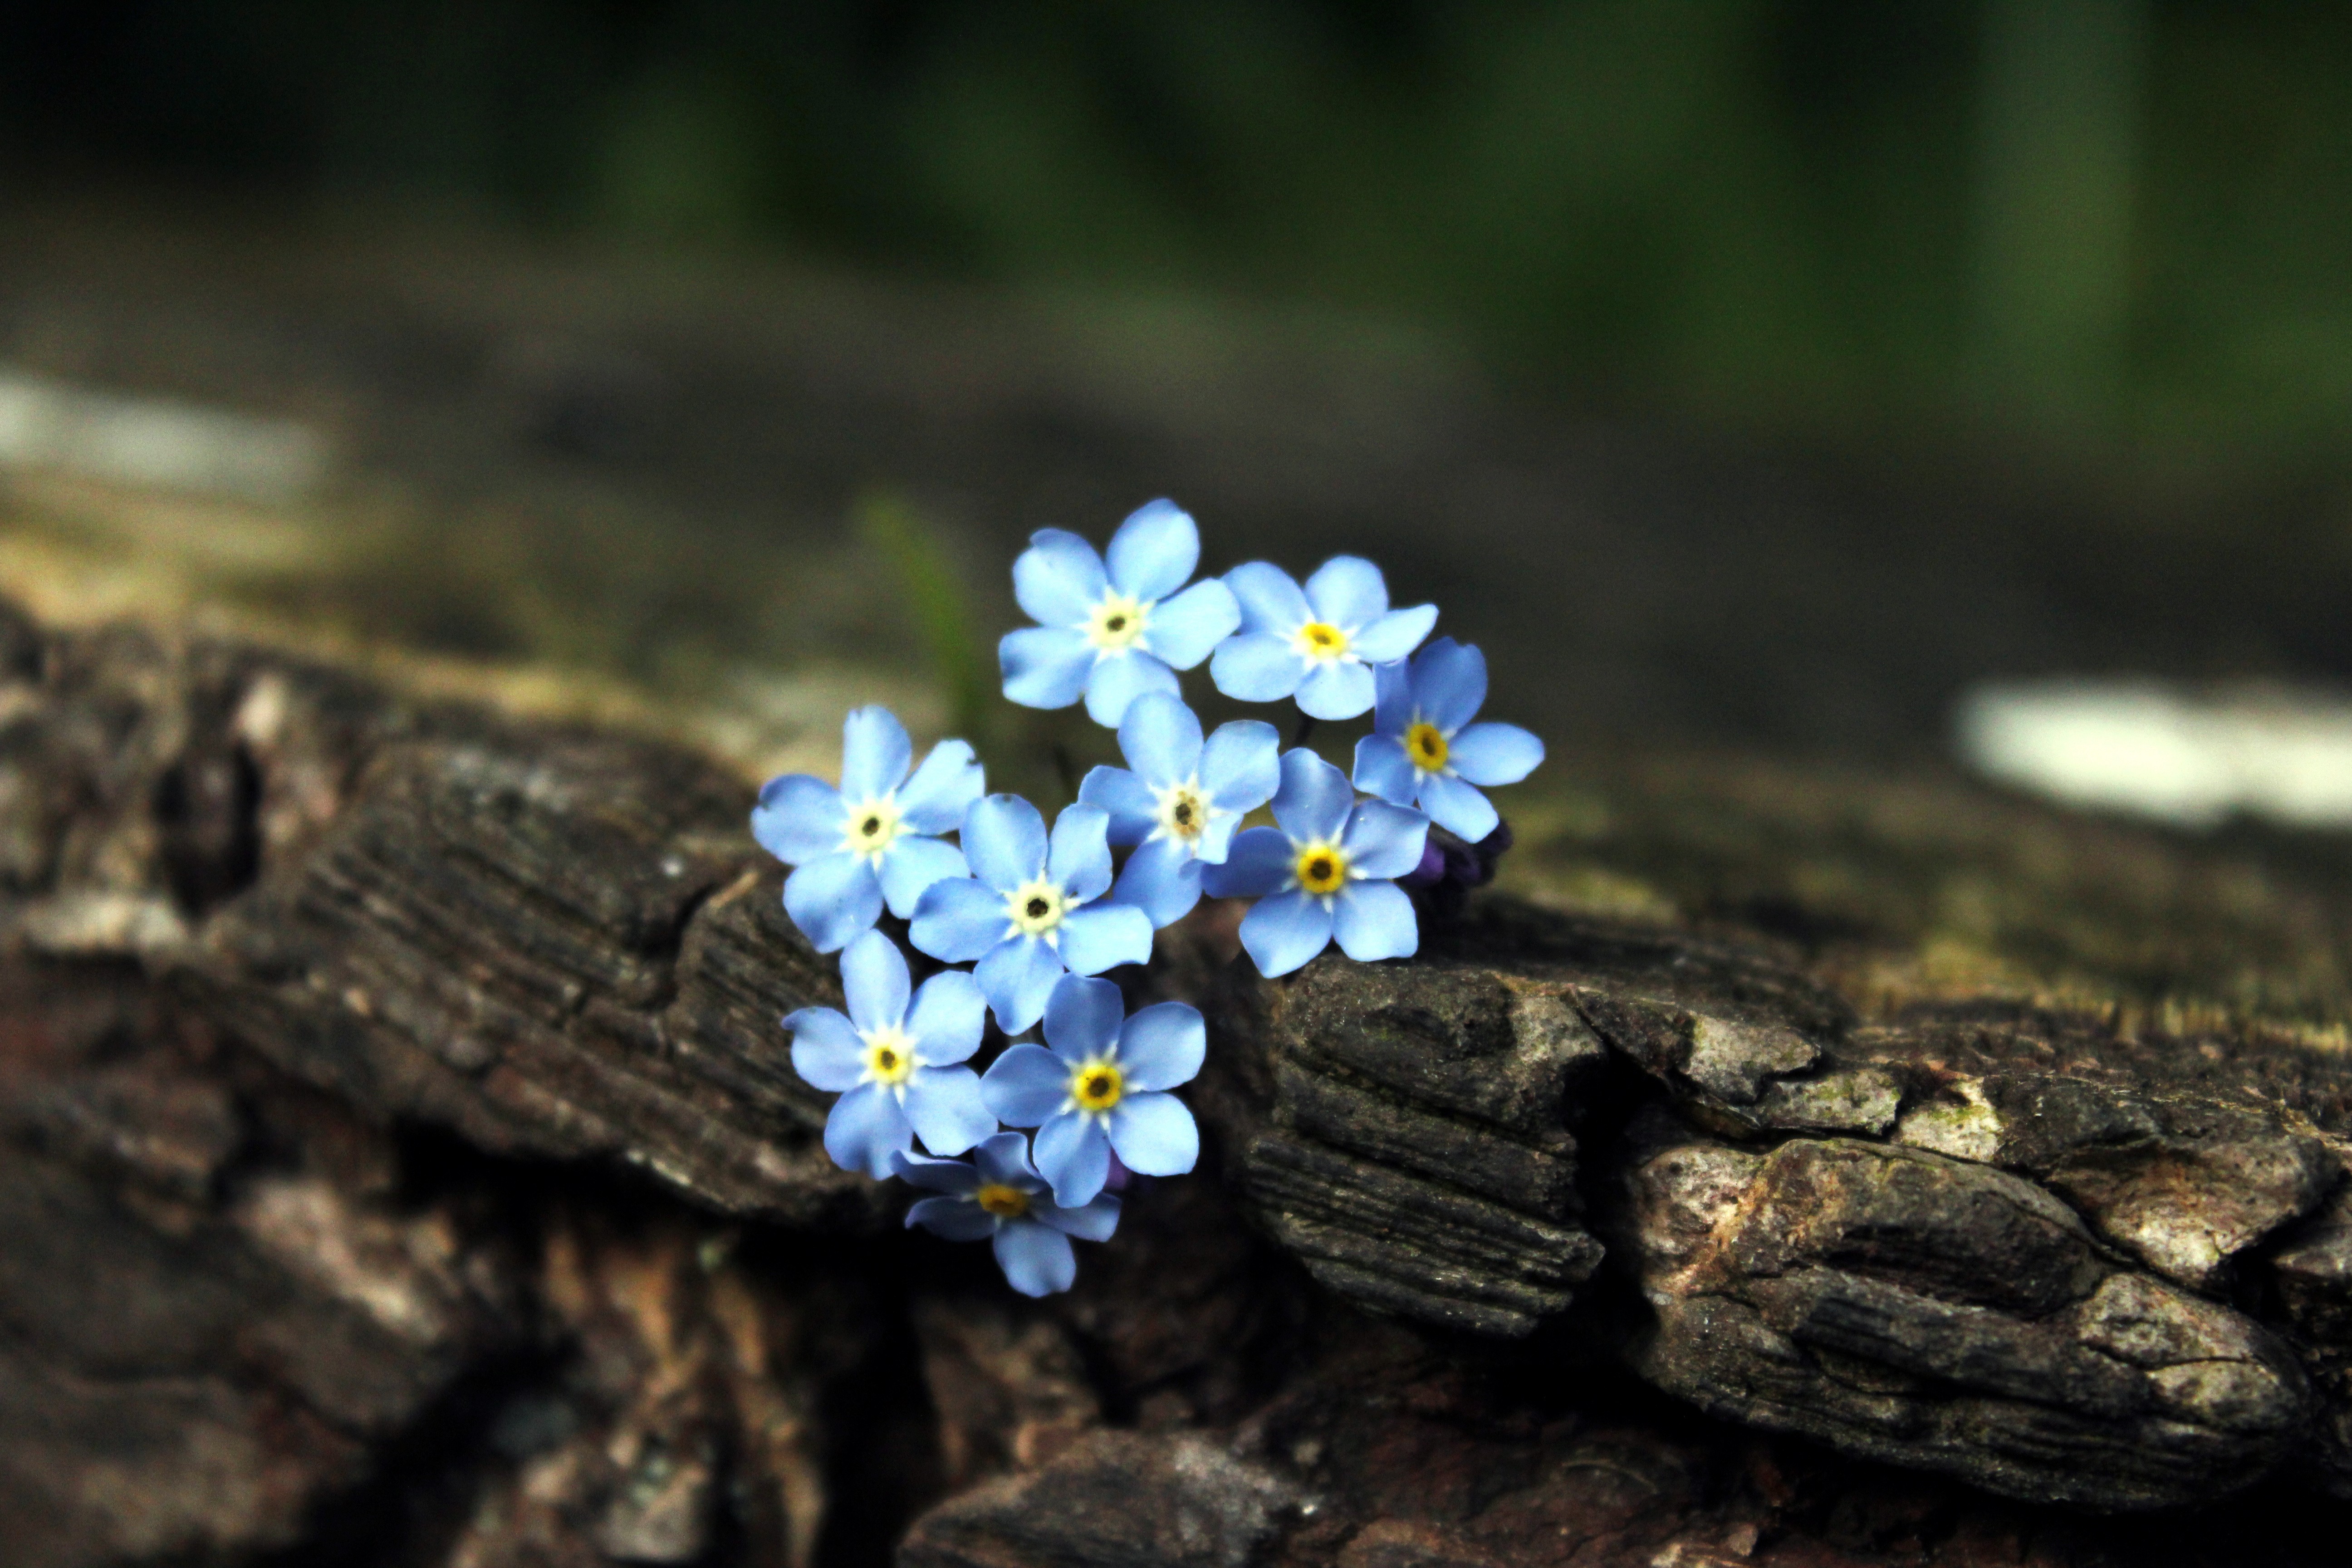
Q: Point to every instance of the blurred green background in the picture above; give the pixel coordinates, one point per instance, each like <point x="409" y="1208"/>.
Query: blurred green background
<point x="2113" y="227"/>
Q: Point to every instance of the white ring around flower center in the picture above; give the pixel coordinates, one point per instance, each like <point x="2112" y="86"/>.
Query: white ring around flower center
<point x="1183" y="812"/>
<point x="1097" y="1086"/>
<point x="1319" y="868"/>
<point x="1320" y="642"/>
<point x="889" y="1055"/>
<point x="1116" y="622"/>
<point x="870" y="827"/>
<point x="1036" y="909"/>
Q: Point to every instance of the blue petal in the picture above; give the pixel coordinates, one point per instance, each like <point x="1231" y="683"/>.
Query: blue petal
<point x="958" y="1219"/>
<point x="866" y="1129"/>
<point x="1004" y="841"/>
<point x="1058" y="579"/>
<point x="1241" y="768"/>
<point x="1153" y="1136"/>
<point x="1384" y="840"/>
<point x="1312" y="804"/>
<point x="873" y="978"/>
<point x="1257" y="666"/>
<point x="1004" y="1160"/>
<point x="1161" y="738"/>
<point x="1154" y="551"/>
<point x="1391" y="699"/>
<point x="911" y="865"/>
<point x="1283" y="932"/>
<point x="1162" y="880"/>
<point x="1101" y="936"/>
<point x="1458" y="808"/>
<point x="1080" y="859"/>
<point x="947" y="1018"/>
<point x="1026" y="1085"/>
<point x="1335" y="690"/>
<point x="938" y="1175"/>
<point x="1383" y="769"/>
<point x="1269" y="599"/>
<point x="1045" y="667"/>
<point x="1119" y="678"/>
<point x="1132" y="807"/>
<point x="1082" y="1018"/>
<point x="1394" y="635"/>
<point x="1494" y="753"/>
<point x="874" y="753"/>
<point x="1375" y="920"/>
<point x="1348" y="592"/>
<point x="1449" y="683"/>
<point x="1016" y="977"/>
<point x="945" y="1106"/>
<point x="826" y="1051"/>
<point x="1075" y="1157"/>
<point x="958" y="921"/>
<point x="1258" y="863"/>
<point x="1162" y="1046"/>
<point x="831" y="899"/>
<point x="1216" y="840"/>
<point x="1036" y="1260"/>
<point x="1094" y="1222"/>
<point x="798" y="818"/>
<point x="935" y="798"/>
<point x="1183" y="629"/>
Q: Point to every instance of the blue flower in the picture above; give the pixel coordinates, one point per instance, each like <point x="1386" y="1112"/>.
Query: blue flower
<point x="896" y="1067"/>
<point x="1102" y="1087"/>
<point x="871" y="838"/>
<point x="1023" y="914"/>
<point x="1112" y="636"/>
<point x="1183" y="800"/>
<point x="1419" y="754"/>
<point x="1326" y="869"/>
<point x="1320" y="644"/>
<point x="999" y="1193"/>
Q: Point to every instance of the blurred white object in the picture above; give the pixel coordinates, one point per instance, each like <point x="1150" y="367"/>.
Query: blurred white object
<point x="155" y="442"/>
<point x="2189" y="758"/>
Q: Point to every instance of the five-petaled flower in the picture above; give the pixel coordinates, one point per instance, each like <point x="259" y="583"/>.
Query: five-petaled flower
<point x="1425" y="751"/>
<point x="871" y="839"/>
<point x="998" y="1193"/>
<point x="1027" y="913"/>
<point x="1099" y="1084"/>
<point x="1326" y="869"/>
<point x="1113" y="636"/>
<point x="1320" y="644"/>
<point x="899" y="1067"/>
<point x="1183" y="801"/>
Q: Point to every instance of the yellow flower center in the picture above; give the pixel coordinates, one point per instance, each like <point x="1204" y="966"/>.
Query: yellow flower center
<point x="1183" y="812"/>
<point x="1097" y="1086"/>
<point x="1425" y="746"/>
<point x="1320" y="640"/>
<point x="1322" y="869"/>
<point x="1003" y="1202"/>
<point x="1037" y="908"/>
<point x="890" y="1055"/>
<point x="869" y="825"/>
<point x="1116" y="622"/>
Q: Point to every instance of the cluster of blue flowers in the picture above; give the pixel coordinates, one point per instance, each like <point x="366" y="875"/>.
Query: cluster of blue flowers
<point x="1039" y="913"/>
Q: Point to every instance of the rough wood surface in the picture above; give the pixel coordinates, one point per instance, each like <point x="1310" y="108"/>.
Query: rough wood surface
<point x="399" y="1164"/>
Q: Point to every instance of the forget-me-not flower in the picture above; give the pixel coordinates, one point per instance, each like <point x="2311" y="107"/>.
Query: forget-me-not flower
<point x="1425" y="751"/>
<point x="1182" y="800"/>
<point x="998" y="1193"/>
<point x="1320" y="644"/>
<point x="871" y="839"/>
<point x="1328" y="870"/>
<point x="1099" y="1084"/>
<point x="1027" y="913"/>
<point x="898" y="1068"/>
<point x="1112" y="636"/>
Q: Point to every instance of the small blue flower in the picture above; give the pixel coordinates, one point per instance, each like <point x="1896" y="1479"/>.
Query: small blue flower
<point x="1328" y="868"/>
<point x="1183" y="800"/>
<point x="1419" y="754"/>
<point x="871" y="838"/>
<point x="999" y="1193"/>
<point x="1112" y="636"/>
<point x="1024" y="914"/>
<point x="1320" y="644"/>
<point x="897" y="1069"/>
<point x="1102" y="1087"/>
